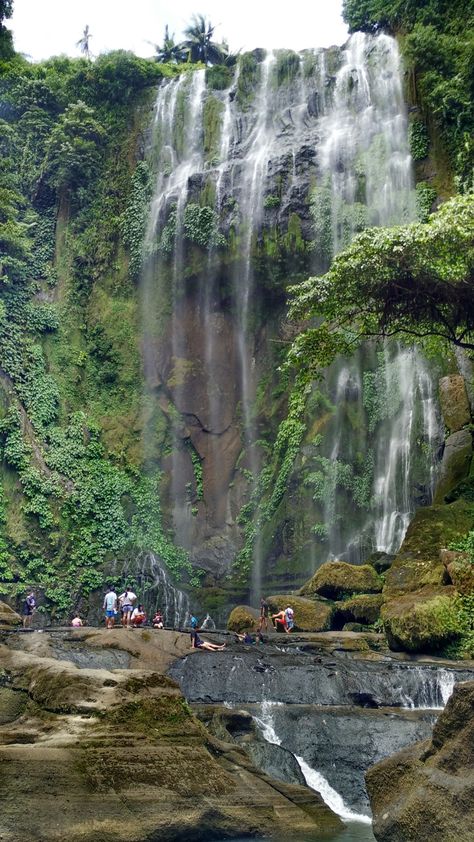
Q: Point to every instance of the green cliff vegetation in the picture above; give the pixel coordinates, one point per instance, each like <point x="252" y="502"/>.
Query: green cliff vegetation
<point x="437" y="40"/>
<point x="73" y="495"/>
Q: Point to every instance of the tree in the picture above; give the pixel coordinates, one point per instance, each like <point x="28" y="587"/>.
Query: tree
<point x="413" y="281"/>
<point x="169" y="52"/>
<point x="83" y="42"/>
<point x="199" y="43"/>
<point x="74" y="150"/>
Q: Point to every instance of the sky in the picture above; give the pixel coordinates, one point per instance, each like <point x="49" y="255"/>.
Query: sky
<point x="42" y="28"/>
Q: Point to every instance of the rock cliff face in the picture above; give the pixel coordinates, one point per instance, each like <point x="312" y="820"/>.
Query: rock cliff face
<point x="95" y="752"/>
<point x="426" y="792"/>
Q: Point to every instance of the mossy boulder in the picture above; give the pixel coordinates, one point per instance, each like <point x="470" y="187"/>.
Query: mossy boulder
<point x="421" y="621"/>
<point x="336" y="579"/>
<point x="454" y="402"/>
<point x="456" y="463"/>
<point x="243" y="618"/>
<point x="8" y="617"/>
<point x="418" y="563"/>
<point x="310" y="614"/>
<point x="363" y="608"/>
<point x="460" y="570"/>
<point x="425" y="792"/>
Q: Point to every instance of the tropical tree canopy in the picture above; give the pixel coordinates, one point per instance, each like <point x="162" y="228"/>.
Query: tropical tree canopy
<point x="415" y="280"/>
<point x="199" y="43"/>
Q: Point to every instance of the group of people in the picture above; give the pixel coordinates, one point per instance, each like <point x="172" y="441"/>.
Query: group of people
<point x="131" y="612"/>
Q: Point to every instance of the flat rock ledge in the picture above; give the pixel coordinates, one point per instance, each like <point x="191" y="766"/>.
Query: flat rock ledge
<point x="93" y="754"/>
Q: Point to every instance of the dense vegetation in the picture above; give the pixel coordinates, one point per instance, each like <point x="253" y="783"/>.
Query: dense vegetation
<point x="437" y="40"/>
<point x="72" y="496"/>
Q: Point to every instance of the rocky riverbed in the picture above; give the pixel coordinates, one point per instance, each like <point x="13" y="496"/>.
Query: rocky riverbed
<point x="98" y="741"/>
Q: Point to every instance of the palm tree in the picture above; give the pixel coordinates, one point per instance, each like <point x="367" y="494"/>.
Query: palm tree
<point x="83" y="42"/>
<point x="199" y="42"/>
<point x="170" y="52"/>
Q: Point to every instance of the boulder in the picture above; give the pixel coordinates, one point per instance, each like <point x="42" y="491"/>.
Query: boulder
<point x="380" y="561"/>
<point x="422" y="621"/>
<point x="426" y="791"/>
<point x="310" y="614"/>
<point x="363" y="608"/>
<point x="336" y="579"/>
<point x="460" y="570"/>
<point x="8" y="617"/>
<point x="455" y="465"/>
<point x="454" y="402"/>
<point x="243" y="618"/>
<point x="418" y="563"/>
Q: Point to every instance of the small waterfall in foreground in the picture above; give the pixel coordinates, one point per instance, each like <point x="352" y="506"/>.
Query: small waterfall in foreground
<point x="155" y="590"/>
<point x="315" y="780"/>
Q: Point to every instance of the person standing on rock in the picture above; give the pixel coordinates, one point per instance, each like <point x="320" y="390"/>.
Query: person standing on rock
<point x="29" y="607"/>
<point x="264" y="612"/>
<point x="126" y="600"/>
<point x="290" y="619"/>
<point x="110" y="607"/>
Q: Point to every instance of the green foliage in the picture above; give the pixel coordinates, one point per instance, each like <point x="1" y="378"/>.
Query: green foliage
<point x="218" y="77"/>
<point x="74" y="148"/>
<point x="212" y="124"/>
<point x="287" y="66"/>
<point x="438" y="47"/>
<point x="135" y="217"/>
<point x="413" y="280"/>
<point x="200" y="226"/>
<point x="272" y="202"/>
<point x="425" y="199"/>
<point x="247" y="80"/>
<point x="197" y="468"/>
<point x="418" y="140"/>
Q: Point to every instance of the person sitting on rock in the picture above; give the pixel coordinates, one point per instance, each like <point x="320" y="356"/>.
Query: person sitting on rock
<point x="246" y="637"/>
<point x="280" y="621"/>
<point x="76" y="622"/>
<point x="157" y="621"/>
<point x="138" y="617"/>
<point x="198" y="643"/>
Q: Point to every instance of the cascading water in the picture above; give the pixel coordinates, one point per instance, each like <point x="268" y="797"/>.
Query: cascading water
<point x="315" y="780"/>
<point x="288" y="166"/>
<point x="156" y="590"/>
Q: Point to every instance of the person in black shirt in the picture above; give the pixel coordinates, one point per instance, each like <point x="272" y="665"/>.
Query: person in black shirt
<point x="264" y="612"/>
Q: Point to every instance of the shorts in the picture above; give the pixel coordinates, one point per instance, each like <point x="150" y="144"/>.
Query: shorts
<point x="290" y="624"/>
<point x="127" y="609"/>
<point x="110" y="614"/>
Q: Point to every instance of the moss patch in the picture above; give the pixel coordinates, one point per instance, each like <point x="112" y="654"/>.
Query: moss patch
<point x="337" y="579"/>
<point x="423" y="621"/>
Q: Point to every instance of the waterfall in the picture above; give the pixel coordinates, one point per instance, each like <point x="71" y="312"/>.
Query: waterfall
<point x="155" y="589"/>
<point x="431" y="691"/>
<point x="295" y="162"/>
<point x="315" y="780"/>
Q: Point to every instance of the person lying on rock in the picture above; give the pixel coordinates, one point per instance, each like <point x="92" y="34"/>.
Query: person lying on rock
<point x="198" y="643"/>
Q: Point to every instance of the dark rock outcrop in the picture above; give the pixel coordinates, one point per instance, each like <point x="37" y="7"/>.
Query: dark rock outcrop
<point x="454" y="402"/>
<point x="426" y="792"/>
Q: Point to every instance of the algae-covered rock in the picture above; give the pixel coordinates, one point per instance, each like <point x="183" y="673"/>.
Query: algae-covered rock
<point x="422" y="621"/>
<point x="455" y="465"/>
<point x="336" y="579"/>
<point x="243" y="618"/>
<point x="310" y="615"/>
<point x="460" y="570"/>
<point x="363" y="608"/>
<point x="454" y="402"/>
<point x="8" y="617"/>
<point x="426" y="792"/>
<point x="418" y="563"/>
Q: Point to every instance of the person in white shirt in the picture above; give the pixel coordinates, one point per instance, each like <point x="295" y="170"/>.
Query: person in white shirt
<point x="110" y="607"/>
<point x="126" y="600"/>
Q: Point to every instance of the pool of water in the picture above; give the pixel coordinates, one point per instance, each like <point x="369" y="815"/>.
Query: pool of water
<point x="354" y="832"/>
